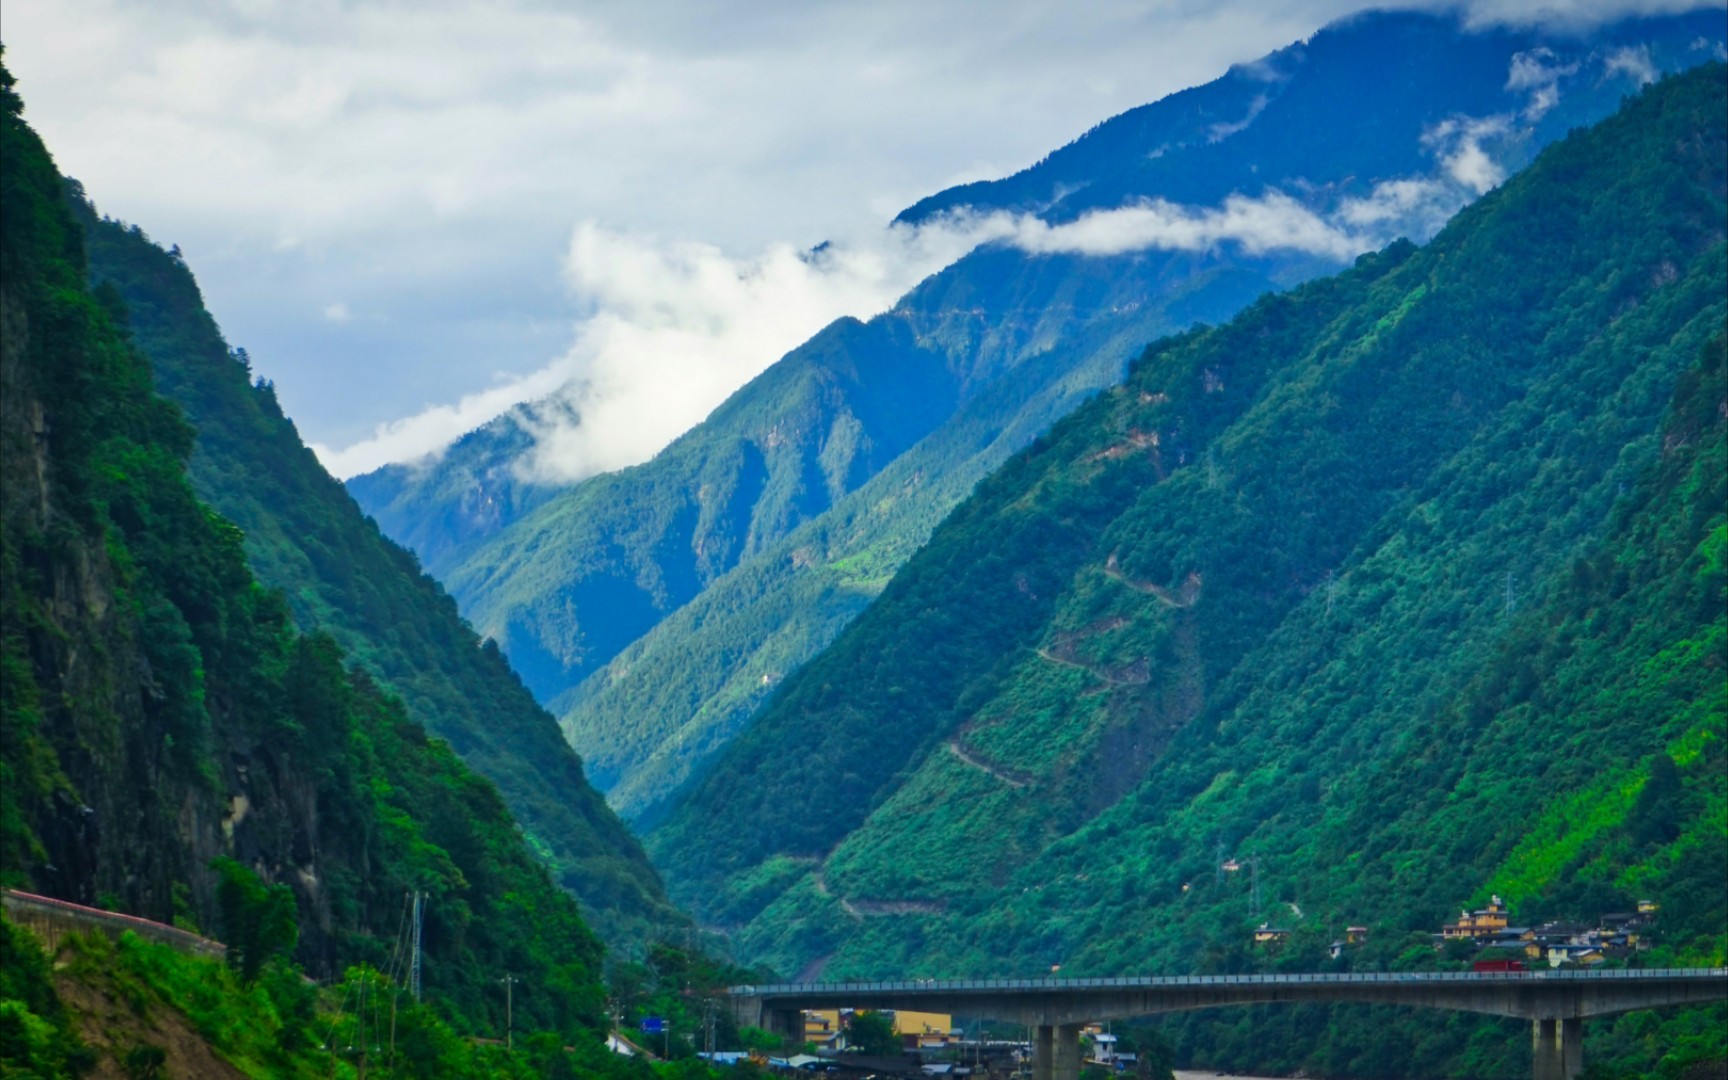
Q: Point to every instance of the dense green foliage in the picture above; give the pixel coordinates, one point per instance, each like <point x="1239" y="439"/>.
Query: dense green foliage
<point x="1407" y="585"/>
<point x="259" y="922"/>
<point x="160" y="709"/>
<point x="305" y="537"/>
<point x="143" y="1006"/>
<point x="873" y="1033"/>
<point x="36" y="1036"/>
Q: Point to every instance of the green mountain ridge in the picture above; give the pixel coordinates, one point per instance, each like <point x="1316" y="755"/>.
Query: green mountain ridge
<point x="1406" y="585"/>
<point x="172" y="747"/>
<point x="340" y="575"/>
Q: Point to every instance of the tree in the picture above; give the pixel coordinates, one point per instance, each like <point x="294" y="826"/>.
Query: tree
<point x="258" y="921"/>
<point x="873" y="1033"/>
<point x="1655" y="818"/>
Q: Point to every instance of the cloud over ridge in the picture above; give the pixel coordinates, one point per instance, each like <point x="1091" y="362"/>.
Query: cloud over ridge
<point x="678" y="326"/>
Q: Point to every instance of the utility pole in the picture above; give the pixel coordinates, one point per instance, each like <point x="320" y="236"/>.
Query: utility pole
<point x="509" y="982"/>
<point x="360" y="1025"/>
<point x="414" y="956"/>
<point x="1511" y="595"/>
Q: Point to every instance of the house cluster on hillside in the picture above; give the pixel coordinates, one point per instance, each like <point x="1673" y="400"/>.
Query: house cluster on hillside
<point x="1490" y="930"/>
<point x="1615" y="934"/>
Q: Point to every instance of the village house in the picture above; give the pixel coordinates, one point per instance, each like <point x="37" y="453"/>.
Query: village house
<point x="1353" y="935"/>
<point x="822" y="1027"/>
<point x="1103" y="1045"/>
<point x="1478" y="925"/>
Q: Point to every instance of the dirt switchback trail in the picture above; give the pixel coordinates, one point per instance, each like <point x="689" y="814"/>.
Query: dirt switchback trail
<point x="1183" y="597"/>
<point x="961" y="752"/>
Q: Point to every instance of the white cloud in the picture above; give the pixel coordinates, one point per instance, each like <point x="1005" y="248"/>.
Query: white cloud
<point x="1632" y="61"/>
<point x="673" y="327"/>
<point x="337" y="312"/>
<point x="1459" y="144"/>
<point x="1718" y="49"/>
<point x="676" y="327"/>
<point x="1221" y="131"/>
<point x="429" y="432"/>
<point x="1568" y="15"/>
<point x="1537" y="72"/>
<point x="1413" y="206"/>
<point x="1272" y="222"/>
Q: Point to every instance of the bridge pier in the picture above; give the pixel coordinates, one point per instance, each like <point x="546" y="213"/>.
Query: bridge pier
<point x="1067" y="1064"/>
<point x="789" y="1025"/>
<point x="1557" y="1048"/>
<point x="1056" y="1051"/>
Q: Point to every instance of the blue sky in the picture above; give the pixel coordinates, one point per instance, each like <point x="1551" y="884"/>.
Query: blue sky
<point x="415" y="214"/>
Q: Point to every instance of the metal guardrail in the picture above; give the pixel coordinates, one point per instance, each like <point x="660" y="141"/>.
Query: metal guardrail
<point x="949" y="986"/>
<point x="62" y="915"/>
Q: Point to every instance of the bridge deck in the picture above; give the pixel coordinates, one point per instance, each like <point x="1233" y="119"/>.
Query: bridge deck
<point x="1374" y="978"/>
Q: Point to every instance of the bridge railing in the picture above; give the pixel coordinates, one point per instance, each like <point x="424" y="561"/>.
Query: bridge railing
<point x="50" y="918"/>
<point x="1191" y="981"/>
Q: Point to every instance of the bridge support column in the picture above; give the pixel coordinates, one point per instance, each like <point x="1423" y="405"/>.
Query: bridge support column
<point x="789" y="1025"/>
<point x="1067" y="1056"/>
<point x="1571" y="1047"/>
<point x="1043" y="1052"/>
<point x="1557" y="1048"/>
<point x="1545" y="1050"/>
<point x="747" y="1012"/>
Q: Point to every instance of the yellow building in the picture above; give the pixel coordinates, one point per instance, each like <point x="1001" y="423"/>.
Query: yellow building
<point x="1481" y="923"/>
<point x="916" y="1029"/>
<point x="821" y="1027"/>
<point x="922" y="1029"/>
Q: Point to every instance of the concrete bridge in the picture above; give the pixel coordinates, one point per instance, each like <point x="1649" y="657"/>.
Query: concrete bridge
<point x="1555" y="1002"/>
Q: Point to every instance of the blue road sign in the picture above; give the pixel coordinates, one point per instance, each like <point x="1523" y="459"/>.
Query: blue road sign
<point x="653" y="1025"/>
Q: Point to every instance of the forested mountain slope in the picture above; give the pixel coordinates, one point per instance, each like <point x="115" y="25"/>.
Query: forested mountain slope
<point x="1404" y="587"/>
<point x="160" y="712"/>
<point x="305" y="536"/>
<point x="777" y="519"/>
<point x="654" y="715"/>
